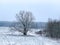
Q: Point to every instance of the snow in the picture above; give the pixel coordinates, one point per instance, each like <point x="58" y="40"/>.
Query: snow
<point x="18" y="39"/>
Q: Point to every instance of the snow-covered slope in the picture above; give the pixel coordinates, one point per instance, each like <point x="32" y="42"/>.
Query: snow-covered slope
<point x="24" y="40"/>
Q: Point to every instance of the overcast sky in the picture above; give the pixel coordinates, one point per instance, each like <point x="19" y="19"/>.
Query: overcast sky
<point x="41" y="9"/>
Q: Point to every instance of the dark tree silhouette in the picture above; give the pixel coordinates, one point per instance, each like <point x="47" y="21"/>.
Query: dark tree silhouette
<point x="24" y="20"/>
<point x="53" y="29"/>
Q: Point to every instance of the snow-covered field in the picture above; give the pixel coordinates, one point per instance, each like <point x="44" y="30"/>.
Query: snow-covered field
<point x="16" y="39"/>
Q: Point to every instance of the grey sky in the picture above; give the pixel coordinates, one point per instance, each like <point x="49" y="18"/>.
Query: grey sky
<point x="41" y="9"/>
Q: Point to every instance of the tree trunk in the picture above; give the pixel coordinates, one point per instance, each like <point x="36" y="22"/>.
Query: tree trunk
<point x="25" y="31"/>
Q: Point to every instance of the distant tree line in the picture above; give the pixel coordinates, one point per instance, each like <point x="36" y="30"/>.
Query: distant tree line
<point x="35" y="25"/>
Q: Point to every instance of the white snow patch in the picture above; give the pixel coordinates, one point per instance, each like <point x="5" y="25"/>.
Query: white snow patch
<point x="24" y="40"/>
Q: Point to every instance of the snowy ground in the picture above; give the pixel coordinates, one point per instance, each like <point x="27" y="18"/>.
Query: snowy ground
<point x="24" y="40"/>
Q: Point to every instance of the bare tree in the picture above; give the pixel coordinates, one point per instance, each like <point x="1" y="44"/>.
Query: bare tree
<point x="24" y="20"/>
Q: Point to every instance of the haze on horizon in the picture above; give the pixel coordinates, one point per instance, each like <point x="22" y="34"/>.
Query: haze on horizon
<point x="41" y="9"/>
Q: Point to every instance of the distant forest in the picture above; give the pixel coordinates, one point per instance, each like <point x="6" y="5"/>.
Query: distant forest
<point x="36" y="25"/>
